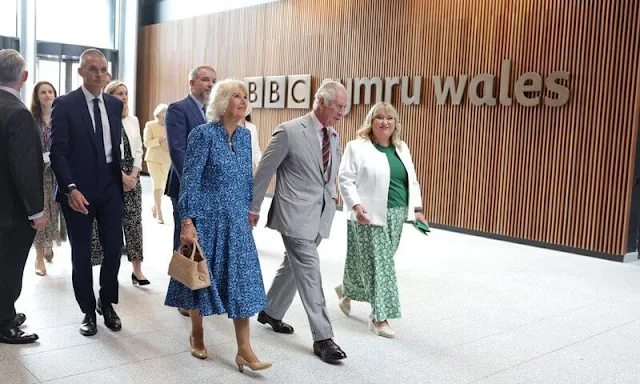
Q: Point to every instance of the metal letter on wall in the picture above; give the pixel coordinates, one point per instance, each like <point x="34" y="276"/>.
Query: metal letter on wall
<point x="487" y="90"/>
<point x="255" y="86"/>
<point x="553" y="84"/>
<point x="299" y="92"/>
<point x="367" y="83"/>
<point x="275" y="88"/>
<point x="528" y="82"/>
<point x="417" y="87"/>
<point x="389" y="82"/>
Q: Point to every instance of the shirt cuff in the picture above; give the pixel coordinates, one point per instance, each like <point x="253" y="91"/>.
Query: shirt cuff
<point x="36" y="216"/>
<point x="254" y="213"/>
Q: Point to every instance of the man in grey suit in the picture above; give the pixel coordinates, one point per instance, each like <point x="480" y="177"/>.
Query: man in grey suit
<point x="21" y="192"/>
<point x="304" y="154"/>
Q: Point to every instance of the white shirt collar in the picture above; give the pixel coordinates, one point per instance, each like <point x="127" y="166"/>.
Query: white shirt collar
<point x="11" y="91"/>
<point x="316" y="123"/>
<point x="90" y="97"/>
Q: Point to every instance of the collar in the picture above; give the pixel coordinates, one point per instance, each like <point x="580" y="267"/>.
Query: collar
<point x="90" y="97"/>
<point x="11" y="91"/>
<point x="316" y="123"/>
<point x="198" y="102"/>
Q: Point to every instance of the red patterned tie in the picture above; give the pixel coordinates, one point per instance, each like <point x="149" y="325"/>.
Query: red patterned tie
<point x="326" y="154"/>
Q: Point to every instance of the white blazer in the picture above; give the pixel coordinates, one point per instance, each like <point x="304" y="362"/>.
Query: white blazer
<point x="132" y="128"/>
<point x="256" y="153"/>
<point x="364" y="178"/>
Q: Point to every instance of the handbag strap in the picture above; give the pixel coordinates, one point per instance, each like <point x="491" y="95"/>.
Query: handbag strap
<point x="196" y="245"/>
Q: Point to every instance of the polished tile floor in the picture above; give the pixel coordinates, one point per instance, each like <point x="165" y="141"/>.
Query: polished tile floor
<point x="474" y="311"/>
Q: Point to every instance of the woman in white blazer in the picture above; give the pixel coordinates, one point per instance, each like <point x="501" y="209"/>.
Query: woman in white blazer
<point x="131" y="148"/>
<point x="378" y="182"/>
<point x="256" y="152"/>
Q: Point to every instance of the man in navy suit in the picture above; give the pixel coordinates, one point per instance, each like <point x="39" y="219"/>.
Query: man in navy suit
<point x="86" y="132"/>
<point x="181" y="117"/>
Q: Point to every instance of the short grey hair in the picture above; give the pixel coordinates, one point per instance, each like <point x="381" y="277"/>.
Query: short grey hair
<point x="91" y="52"/>
<point x="222" y="93"/>
<point x="161" y="108"/>
<point x="193" y="75"/>
<point x="327" y="91"/>
<point x="12" y="65"/>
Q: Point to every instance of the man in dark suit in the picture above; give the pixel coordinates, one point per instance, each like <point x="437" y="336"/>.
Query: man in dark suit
<point x="21" y="192"/>
<point x="86" y="132"/>
<point x="181" y="117"/>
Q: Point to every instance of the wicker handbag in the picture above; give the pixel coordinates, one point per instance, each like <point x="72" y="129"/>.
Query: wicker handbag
<point x="191" y="270"/>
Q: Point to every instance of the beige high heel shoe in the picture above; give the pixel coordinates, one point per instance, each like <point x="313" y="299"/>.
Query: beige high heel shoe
<point x="41" y="269"/>
<point x="384" y="331"/>
<point x="257" y="366"/>
<point x="345" y="302"/>
<point x="199" y="353"/>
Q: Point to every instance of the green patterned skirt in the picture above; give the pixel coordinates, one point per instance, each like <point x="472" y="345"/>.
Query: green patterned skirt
<point x="369" y="271"/>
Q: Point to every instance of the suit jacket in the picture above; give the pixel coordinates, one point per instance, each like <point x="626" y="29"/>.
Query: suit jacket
<point x="364" y="178"/>
<point x="74" y="150"/>
<point x="156" y="152"/>
<point x="181" y="117"/>
<point x="21" y="165"/>
<point x="302" y="205"/>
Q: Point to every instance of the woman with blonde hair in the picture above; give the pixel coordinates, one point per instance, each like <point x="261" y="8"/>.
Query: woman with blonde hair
<point x="215" y="192"/>
<point x="157" y="157"/>
<point x="131" y="148"/>
<point x="378" y="183"/>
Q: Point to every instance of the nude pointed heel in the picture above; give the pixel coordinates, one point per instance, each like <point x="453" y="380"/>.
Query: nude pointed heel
<point x="257" y="366"/>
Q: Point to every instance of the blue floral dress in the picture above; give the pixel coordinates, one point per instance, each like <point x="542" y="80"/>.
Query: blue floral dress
<point x="216" y="191"/>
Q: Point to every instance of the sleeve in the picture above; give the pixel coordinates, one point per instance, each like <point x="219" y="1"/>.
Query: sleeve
<point x="149" y="140"/>
<point x="176" y="125"/>
<point x="347" y="177"/>
<point x="136" y="143"/>
<point x="59" y="153"/>
<point x="24" y="152"/>
<point x="275" y="153"/>
<point x="195" y="158"/>
<point x="416" y="199"/>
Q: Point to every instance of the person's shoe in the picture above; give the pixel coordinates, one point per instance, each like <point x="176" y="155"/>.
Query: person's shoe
<point x="89" y="326"/>
<point x="199" y="353"/>
<point x="278" y="325"/>
<point x="111" y="319"/>
<point x="41" y="269"/>
<point x="328" y="350"/>
<point x="49" y="256"/>
<point x="137" y="281"/>
<point x="255" y="366"/>
<point x="384" y="331"/>
<point x="345" y="302"/>
<point x="184" y="312"/>
<point x="19" y="319"/>
<point x="16" y="336"/>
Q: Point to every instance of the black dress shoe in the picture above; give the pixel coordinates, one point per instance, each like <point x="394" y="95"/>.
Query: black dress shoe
<point x="277" y="325"/>
<point x="111" y="319"/>
<point x="328" y="350"/>
<point x="16" y="336"/>
<point x="19" y="319"/>
<point x="184" y="312"/>
<point x="88" y="326"/>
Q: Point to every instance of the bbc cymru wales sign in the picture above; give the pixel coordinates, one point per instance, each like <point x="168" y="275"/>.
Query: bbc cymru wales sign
<point x="529" y="90"/>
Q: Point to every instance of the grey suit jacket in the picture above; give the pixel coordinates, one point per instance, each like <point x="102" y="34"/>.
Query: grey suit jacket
<point x="302" y="205"/>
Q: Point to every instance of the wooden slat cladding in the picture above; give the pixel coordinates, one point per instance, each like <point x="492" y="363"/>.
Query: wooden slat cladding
<point x="557" y="175"/>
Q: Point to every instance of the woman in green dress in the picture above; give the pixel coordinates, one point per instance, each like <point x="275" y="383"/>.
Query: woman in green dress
<point x="378" y="182"/>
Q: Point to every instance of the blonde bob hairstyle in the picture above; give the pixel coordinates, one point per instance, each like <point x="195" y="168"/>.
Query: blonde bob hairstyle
<point x="222" y="93"/>
<point x="365" y="130"/>
<point x="111" y="89"/>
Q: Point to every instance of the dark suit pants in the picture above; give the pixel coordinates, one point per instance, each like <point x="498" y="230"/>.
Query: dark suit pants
<point x="14" y="250"/>
<point x="107" y="209"/>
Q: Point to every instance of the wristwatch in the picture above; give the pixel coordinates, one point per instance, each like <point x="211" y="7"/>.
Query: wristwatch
<point x="70" y="188"/>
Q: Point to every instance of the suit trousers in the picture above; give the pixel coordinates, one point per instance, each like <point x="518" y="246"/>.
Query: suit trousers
<point x="300" y="271"/>
<point x="108" y="210"/>
<point x="14" y="250"/>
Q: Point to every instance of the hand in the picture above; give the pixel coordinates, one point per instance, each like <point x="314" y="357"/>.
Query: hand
<point x="420" y="217"/>
<point x="128" y="182"/>
<point x="77" y="202"/>
<point x="253" y="219"/>
<point x="162" y="140"/>
<point x="188" y="233"/>
<point x="361" y="214"/>
<point x="334" y="200"/>
<point x="39" y="223"/>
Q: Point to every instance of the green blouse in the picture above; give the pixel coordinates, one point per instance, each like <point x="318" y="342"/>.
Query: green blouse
<point x="399" y="181"/>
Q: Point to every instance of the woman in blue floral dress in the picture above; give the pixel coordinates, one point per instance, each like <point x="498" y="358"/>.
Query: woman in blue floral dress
<point x="216" y="190"/>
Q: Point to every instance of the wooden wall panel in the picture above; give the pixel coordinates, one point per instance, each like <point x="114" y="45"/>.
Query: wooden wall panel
<point x="560" y="176"/>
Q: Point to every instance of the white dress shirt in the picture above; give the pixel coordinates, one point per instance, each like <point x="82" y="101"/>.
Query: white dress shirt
<point x="17" y="95"/>
<point x="132" y="128"/>
<point x="106" y="131"/>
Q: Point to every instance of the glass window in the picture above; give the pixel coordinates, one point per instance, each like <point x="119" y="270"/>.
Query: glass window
<point x="53" y="71"/>
<point x="9" y="18"/>
<point x="58" y="22"/>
